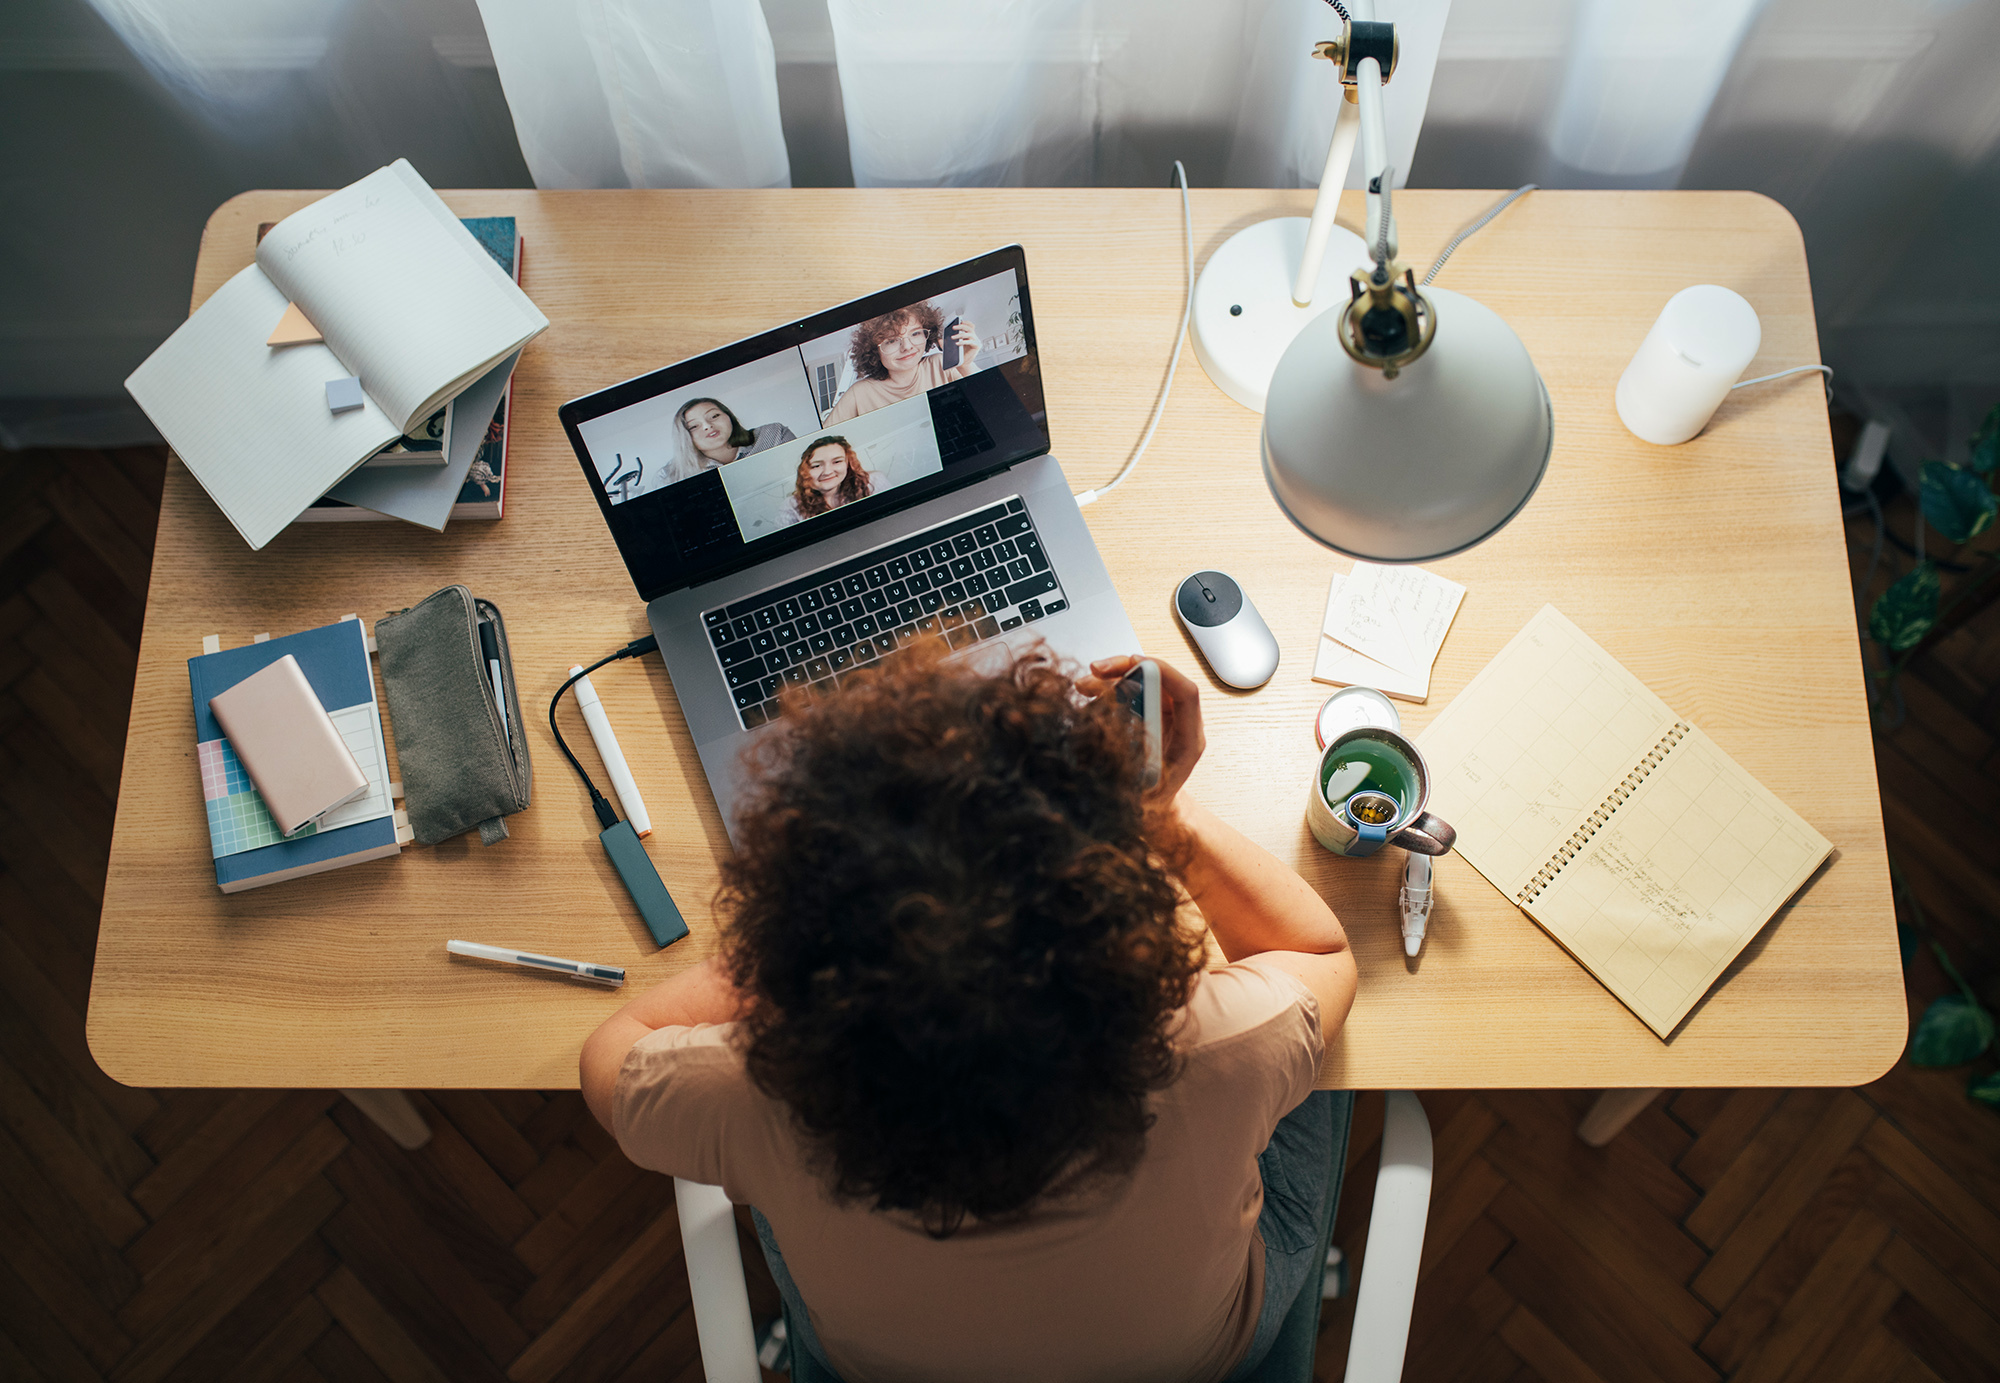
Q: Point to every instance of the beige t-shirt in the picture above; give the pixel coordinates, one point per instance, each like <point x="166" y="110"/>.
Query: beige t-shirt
<point x="867" y="395"/>
<point x="1156" y="1276"/>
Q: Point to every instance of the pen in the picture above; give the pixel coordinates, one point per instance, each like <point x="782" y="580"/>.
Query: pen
<point x="490" y="646"/>
<point x="608" y="975"/>
<point x="614" y="758"/>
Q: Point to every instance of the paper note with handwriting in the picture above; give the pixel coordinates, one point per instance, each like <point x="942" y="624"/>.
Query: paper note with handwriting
<point x="1341" y="666"/>
<point x="1397" y="615"/>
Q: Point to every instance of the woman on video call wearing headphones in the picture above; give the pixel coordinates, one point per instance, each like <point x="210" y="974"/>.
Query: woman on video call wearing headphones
<point x="707" y="434"/>
<point x="893" y="359"/>
<point x="830" y="475"/>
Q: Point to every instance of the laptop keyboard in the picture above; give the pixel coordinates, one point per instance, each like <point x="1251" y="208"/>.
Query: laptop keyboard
<point x="965" y="580"/>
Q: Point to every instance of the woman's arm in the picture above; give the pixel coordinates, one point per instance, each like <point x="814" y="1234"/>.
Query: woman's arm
<point x="1253" y="903"/>
<point x="701" y="995"/>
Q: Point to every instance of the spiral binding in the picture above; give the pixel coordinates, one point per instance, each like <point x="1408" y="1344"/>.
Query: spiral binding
<point x="1574" y="845"/>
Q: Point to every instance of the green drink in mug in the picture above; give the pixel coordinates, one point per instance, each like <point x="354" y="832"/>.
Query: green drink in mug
<point x="1369" y="791"/>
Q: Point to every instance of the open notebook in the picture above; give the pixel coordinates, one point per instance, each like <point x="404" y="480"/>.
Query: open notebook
<point x="1634" y="841"/>
<point x="404" y="298"/>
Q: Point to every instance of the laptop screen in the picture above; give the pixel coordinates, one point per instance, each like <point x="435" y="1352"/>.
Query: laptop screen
<point x="778" y="440"/>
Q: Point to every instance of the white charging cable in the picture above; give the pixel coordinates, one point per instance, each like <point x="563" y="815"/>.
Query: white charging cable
<point x="1795" y="370"/>
<point x="1180" y="339"/>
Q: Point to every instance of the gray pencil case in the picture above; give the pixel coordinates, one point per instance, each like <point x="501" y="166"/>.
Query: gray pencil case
<point x="462" y="765"/>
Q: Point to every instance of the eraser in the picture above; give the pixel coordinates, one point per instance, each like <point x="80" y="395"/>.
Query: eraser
<point x="343" y="394"/>
<point x="642" y="881"/>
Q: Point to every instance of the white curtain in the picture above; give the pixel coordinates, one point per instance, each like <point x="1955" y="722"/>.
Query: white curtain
<point x="1875" y="122"/>
<point x="983" y="93"/>
<point x="641" y="93"/>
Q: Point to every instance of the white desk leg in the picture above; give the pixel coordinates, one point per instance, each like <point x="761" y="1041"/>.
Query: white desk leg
<point x="1614" y="1109"/>
<point x="393" y="1113"/>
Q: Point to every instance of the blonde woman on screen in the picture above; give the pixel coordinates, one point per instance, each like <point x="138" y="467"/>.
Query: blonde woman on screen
<point x="895" y="359"/>
<point x="830" y="475"/>
<point x="707" y="434"/>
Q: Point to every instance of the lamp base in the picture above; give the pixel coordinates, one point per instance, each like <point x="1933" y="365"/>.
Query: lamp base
<point x="1252" y="274"/>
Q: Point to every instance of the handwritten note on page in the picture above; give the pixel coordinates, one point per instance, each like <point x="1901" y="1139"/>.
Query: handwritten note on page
<point x="1395" y="615"/>
<point x="401" y="289"/>
<point x="1624" y="831"/>
<point x="1341" y="666"/>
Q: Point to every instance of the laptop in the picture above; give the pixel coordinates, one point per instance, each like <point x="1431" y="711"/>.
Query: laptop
<point x="800" y="504"/>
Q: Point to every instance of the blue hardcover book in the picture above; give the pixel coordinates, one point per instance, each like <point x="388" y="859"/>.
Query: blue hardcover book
<point x="248" y="848"/>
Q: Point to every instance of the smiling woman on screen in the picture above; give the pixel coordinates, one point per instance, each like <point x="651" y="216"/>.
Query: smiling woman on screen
<point x="707" y="434"/>
<point x="830" y="475"/>
<point x="894" y="359"/>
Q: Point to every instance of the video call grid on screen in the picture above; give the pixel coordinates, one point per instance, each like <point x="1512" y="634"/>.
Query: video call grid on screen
<point x="789" y="398"/>
<point x="843" y="414"/>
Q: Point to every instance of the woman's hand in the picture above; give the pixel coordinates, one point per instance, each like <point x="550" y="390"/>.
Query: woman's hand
<point x="968" y="346"/>
<point x="1181" y="737"/>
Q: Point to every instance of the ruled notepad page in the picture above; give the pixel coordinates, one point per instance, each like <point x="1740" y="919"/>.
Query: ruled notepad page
<point x="398" y="286"/>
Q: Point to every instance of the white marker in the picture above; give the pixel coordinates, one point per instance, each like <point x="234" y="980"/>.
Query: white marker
<point x="612" y="975"/>
<point x="614" y="758"/>
<point x="1415" y="901"/>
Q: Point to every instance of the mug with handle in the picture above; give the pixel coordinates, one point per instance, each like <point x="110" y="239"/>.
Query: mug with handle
<point x="1368" y="791"/>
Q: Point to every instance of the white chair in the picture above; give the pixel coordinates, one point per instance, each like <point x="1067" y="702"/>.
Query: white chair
<point x="1388" y="1285"/>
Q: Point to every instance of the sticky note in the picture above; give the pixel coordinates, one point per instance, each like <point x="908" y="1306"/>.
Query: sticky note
<point x="293" y="329"/>
<point x="343" y="394"/>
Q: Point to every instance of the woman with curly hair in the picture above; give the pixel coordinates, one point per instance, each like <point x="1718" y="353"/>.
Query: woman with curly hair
<point x="961" y="1051"/>
<point x="893" y="359"/>
<point x="830" y="475"/>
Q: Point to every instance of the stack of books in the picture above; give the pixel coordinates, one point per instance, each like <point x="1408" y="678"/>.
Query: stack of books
<point x="380" y="285"/>
<point x="328" y="693"/>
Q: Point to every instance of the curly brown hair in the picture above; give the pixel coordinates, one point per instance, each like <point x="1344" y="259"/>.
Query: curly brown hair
<point x="865" y="347"/>
<point x="954" y="913"/>
<point x="856" y="485"/>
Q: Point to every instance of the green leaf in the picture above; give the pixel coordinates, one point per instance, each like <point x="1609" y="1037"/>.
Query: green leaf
<point x="1986" y="1089"/>
<point x="1986" y="443"/>
<point x="1952" y="1032"/>
<point x="1905" y="612"/>
<point x="1957" y="502"/>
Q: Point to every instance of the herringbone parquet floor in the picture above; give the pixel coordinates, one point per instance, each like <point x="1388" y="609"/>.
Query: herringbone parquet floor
<point x="273" y="1235"/>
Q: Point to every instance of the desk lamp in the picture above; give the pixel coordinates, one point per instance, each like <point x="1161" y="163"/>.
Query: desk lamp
<point x="1406" y="423"/>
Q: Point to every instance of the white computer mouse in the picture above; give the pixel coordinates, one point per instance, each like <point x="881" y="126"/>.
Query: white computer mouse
<point x="1227" y="629"/>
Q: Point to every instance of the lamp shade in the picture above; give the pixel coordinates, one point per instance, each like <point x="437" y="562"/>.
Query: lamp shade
<point x="1416" y="467"/>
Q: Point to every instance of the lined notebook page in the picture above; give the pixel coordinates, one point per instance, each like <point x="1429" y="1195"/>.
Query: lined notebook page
<point x="400" y="289"/>
<point x="1534" y="743"/>
<point x="1625" y="832"/>
<point x="251" y="421"/>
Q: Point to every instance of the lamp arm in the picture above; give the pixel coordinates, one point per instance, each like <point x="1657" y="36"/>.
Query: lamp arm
<point x="1374" y="155"/>
<point x="1339" y="157"/>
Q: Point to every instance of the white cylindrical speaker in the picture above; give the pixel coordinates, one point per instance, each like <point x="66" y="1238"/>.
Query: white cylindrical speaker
<point x="1684" y="368"/>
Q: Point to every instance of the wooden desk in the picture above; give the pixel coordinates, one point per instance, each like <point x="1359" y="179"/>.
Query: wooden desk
<point x="1714" y="570"/>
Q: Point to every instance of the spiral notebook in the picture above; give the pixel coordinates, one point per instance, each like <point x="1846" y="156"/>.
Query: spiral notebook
<point x="1622" y="830"/>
